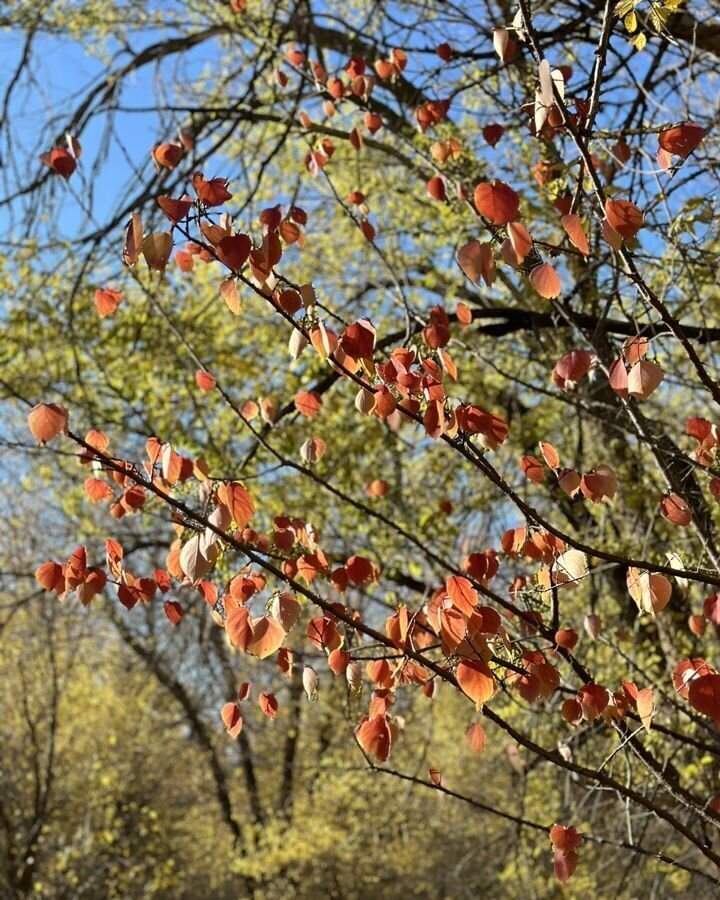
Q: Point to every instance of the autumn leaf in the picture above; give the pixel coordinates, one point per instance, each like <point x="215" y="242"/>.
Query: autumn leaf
<point x="475" y="736"/>
<point x="462" y="593"/>
<point x="232" y="719"/>
<point x="646" y="707"/>
<point x="238" y="501"/>
<point x="47" y="420"/>
<point x="268" y="704"/>
<point x="211" y="193"/>
<point x="496" y="201"/>
<point x="476" y="680"/>
<point x="546" y="281"/>
<point x="624" y="217"/>
<point x="107" y="301"/>
<point x="267" y="637"/>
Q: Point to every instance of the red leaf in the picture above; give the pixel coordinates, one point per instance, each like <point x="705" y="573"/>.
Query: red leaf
<point x="361" y="570"/>
<point x="61" y="161"/>
<point x="571" y="368"/>
<point x="213" y="192"/>
<point x="493" y="133"/>
<point x="436" y="188"/>
<point x="681" y="140"/>
<point x="704" y="696"/>
<point x="676" y="510"/>
<point x="175" y="210"/>
<point x="711" y="608"/>
<point x="234" y="250"/>
<point x="308" y="403"/>
<point x="564" y="865"/>
<point x="624" y="217"/>
<point x="205" y="381"/>
<point x="49" y="576"/>
<point x="358" y="339"/>
<point x="618" y="379"/>
<point x="565" y="839"/>
<point x="593" y="699"/>
<point x="497" y="202"/>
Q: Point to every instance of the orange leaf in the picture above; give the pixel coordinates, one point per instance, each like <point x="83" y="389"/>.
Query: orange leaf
<point x="643" y="379"/>
<point x="477" y="261"/>
<point x="268" y="636"/>
<point x="238" y="627"/>
<point x="47" y="420"/>
<point x="205" y="381"/>
<point x="238" y="501"/>
<point x="232" y="720"/>
<point x="268" y="704"/>
<point x="462" y="593"/>
<point x="532" y="469"/>
<point x="520" y="240"/>
<point x="173" y="611"/>
<point x="308" y="403"/>
<point x="550" y="455"/>
<point x="646" y="707"/>
<point x="574" y="230"/>
<point x="374" y="736"/>
<point x="624" y="217"/>
<point x="546" y="281"/>
<point x="107" y="301"/>
<point x="475" y="736"/>
<point x="476" y="680"/>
